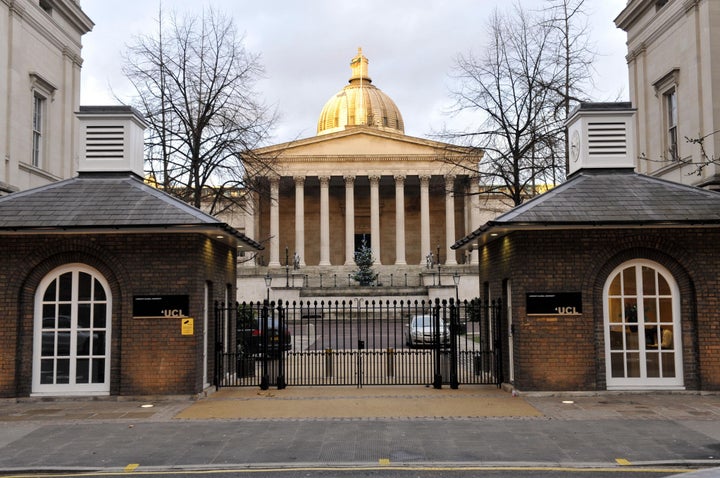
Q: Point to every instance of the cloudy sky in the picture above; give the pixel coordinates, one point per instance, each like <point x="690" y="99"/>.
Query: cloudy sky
<point x="306" y="47"/>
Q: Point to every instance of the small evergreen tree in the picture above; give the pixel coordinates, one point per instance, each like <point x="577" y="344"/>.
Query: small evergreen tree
<point x="364" y="260"/>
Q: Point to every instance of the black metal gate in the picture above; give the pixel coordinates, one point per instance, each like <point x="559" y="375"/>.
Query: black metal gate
<point x="357" y="342"/>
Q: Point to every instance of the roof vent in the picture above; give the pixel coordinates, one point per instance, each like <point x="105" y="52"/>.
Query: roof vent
<point x="112" y="139"/>
<point x="600" y="135"/>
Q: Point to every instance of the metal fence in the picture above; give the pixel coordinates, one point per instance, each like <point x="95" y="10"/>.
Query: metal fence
<point x="357" y="342"/>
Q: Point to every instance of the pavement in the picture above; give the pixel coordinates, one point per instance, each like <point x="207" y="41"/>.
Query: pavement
<point x="378" y="426"/>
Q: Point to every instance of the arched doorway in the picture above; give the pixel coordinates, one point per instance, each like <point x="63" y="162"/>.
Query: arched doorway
<point x="642" y="328"/>
<point x="71" y="353"/>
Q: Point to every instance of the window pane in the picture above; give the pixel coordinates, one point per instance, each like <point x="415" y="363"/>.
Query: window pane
<point x="631" y="338"/>
<point x="46" y="371"/>
<point x="630" y="310"/>
<point x="615" y="286"/>
<point x="652" y="340"/>
<point x="64" y="311"/>
<point x="98" y="342"/>
<point x="667" y="338"/>
<point x="48" y="344"/>
<point x="84" y="286"/>
<point x="63" y="344"/>
<point x="83" y="316"/>
<point x="633" y="365"/>
<point x="653" y="364"/>
<point x="616" y="337"/>
<point x="99" y="291"/>
<point x="98" y="371"/>
<point x="99" y="316"/>
<point x="615" y="310"/>
<point x="617" y="365"/>
<point x="48" y="321"/>
<point x="648" y="281"/>
<point x="82" y="371"/>
<point x="63" y="371"/>
<point x="649" y="310"/>
<point x="66" y="287"/>
<point x="629" y="286"/>
<point x="668" y="364"/>
<point x="663" y="286"/>
<point x="50" y="292"/>
<point x="83" y="343"/>
<point x="665" y="310"/>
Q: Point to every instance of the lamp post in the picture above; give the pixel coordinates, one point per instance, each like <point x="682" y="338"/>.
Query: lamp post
<point x="268" y="283"/>
<point x="454" y="324"/>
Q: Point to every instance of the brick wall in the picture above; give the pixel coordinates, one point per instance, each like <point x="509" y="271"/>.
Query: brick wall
<point x="149" y="356"/>
<point x="567" y="352"/>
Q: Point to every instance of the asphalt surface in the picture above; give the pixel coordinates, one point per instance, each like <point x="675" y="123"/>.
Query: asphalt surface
<point x="390" y="426"/>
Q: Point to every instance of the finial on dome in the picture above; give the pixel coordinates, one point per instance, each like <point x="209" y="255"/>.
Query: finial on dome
<point x="359" y="67"/>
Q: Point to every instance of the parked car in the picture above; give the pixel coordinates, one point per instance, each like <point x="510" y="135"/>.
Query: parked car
<point x="250" y="339"/>
<point x="421" y="331"/>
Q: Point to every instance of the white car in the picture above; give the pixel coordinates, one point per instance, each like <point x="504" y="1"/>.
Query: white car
<point x="421" y="331"/>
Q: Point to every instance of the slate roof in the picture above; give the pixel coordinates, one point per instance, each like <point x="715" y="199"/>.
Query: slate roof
<point x="611" y="198"/>
<point x="103" y="200"/>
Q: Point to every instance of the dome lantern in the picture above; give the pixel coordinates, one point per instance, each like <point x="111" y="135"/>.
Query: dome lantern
<point x="360" y="103"/>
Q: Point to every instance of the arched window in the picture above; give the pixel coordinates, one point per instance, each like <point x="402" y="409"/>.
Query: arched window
<point x="71" y="354"/>
<point x="642" y="328"/>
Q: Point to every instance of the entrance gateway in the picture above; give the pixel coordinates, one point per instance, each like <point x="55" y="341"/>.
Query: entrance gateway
<point x="358" y="342"/>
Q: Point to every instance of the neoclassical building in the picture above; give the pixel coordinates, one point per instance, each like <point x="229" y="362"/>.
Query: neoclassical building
<point x="362" y="179"/>
<point x="40" y="65"/>
<point x="673" y="50"/>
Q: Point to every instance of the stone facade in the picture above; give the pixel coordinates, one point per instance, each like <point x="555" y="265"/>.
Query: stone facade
<point x="40" y="65"/>
<point x="673" y="54"/>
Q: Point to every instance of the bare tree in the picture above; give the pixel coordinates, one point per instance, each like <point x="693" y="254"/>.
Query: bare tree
<point x="522" y="90"/>
<point x="195" y="86"/>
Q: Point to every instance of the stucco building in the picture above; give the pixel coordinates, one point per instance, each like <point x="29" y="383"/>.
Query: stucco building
<point x="40" y="65"/>
<point x="673" y="55"/>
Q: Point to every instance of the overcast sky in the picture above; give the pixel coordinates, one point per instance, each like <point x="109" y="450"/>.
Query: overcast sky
<point x="306" y="47"/>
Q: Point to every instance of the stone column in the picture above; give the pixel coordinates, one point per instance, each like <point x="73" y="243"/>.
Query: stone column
<point x="375" y="218"/>
<point x="324" y="220"/>
<point x="474" y="213"/>
<point x="251" y="216"/>
<point x="274" y="222"/>
<point x="349" y="220"/>
<point x="400" y="219"/>
<point x="424" y="218"/>
<point x="300" y="218"/>
<point x="449" y="220"/>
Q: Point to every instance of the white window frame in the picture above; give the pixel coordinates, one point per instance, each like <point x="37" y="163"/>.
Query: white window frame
<point x="667" y="91"/>
<point x="70" y="388"/>
<point x="38" y="130"/>
<point x="643" y="382"/>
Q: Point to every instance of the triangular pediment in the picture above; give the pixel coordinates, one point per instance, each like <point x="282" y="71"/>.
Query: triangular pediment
<point x="362" y="141"/>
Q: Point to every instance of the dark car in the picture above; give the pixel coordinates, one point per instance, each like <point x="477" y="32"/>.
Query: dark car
<point x="258" y="340"/>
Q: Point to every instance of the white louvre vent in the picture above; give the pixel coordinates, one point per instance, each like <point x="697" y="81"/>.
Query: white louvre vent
<point x="600" y="135"/>
<point x="607" y="138"/>
<point x="104" y="141"/>
<point x="112" y="139"/>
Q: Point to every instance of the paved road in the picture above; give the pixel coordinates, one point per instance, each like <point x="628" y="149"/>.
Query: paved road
<point x="340" y="426"/>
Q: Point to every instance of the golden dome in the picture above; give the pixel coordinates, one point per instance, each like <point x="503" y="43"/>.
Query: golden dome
<point x="360" y="103"/>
